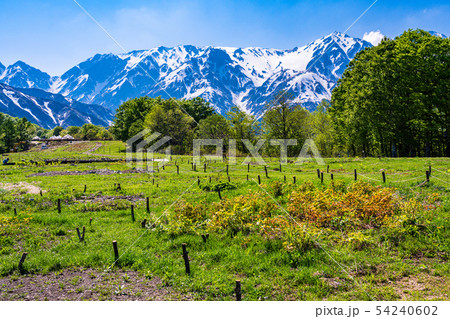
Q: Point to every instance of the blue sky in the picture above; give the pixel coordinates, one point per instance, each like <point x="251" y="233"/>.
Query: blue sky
<point x="55" y="35"/>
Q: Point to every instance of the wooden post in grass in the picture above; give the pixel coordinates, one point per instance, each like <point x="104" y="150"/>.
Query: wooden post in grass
<point x="119" y="188"/>
<point x="259" y="179"/>
<point x="153" y="182"/>
<point x="186" y="260"/>
<point x="198" y="180"/>
<point x="22" y="260"/>
<point x="227" y="169"/>
<point x="210" y="179"/>
<point x="81" y="236"/>
<point x="237" y="290"/>
<point x="318" y="173"/>
<point x="132" y="213"/>
<point x="321" y="177"/>
<point x="204" y="167"/>
<point x="265" y="169"/>
<point x="248" y="167"/>
<point x="328" y="168"/>
<point x="280" y="167"/>
<point x="429" y="169"/>
<point x="285" y="178"/>
<point x="59" y="205"/>
<point x="148" y="205"/>
<point x="116" y="250"/>
<point x="356" y="175"/>
<point x="247" y="177"/>
<point x="294" y="179"/>
<point x="427" y="175"/>
<point x="205" y="237"/>
<point x="15" y="211"/>
<point x="143" y="223"/>
<point x="85" y="188"/>
<point x="178" y="170"/>
<point x="195" y="167"/>
<point x="40" y="192"/>
<point x="384" y="176"/>
<point x="218" y="192"/>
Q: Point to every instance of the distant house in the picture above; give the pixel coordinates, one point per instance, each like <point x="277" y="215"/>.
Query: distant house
<point x="36" y="138"/>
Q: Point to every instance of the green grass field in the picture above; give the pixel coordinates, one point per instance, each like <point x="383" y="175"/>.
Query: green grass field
<point x="336" y="240"/>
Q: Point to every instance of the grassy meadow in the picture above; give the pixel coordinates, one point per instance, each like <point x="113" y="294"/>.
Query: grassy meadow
<point x="314" y="239"/>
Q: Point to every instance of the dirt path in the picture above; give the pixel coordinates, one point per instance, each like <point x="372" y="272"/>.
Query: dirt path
<point x="86" y="284"/>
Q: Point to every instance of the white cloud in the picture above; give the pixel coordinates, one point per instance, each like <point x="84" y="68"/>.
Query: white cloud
<point x="373" y="37"/>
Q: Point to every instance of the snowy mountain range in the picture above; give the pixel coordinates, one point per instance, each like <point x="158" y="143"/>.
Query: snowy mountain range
<point x="224" y="76"/>
<point x="247" y="77"/>
<point x="49" y="110"/>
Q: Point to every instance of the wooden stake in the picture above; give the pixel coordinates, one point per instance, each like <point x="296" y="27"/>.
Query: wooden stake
<point x="198" y="180"/>
<point x="218" y="192"/>
<point x="15" y="211"/>
<point x="280" y="167"/>
<point x="259" y="179"/>
<point x="429" y="169"/>
<point x="229" y="180"/>
<point x="178" y="170"/>
<point x="116" y="250"/>
<point x="321" y="177"/>
<point x="210" y="179"/>
<point x="247" y="178"/>
<point x="143" y="223"/>
<point x="227" y="169"/>
<point x="427" y="174"/>
<point x="285" y="178"/>
<point x="132" y="213"/>
<point x="40" y="192"/>
<point x="205" y="237"/>
<point x="22" y="260"/>
<point x="248" y="167"/>
<point x="85" y="187"/>
<point x="332" y="176"/>
<point x="186" y="260"/>
<point x="294" y="179"/>
<point x="59" y="205"/>
<point x="383" y="174"/>
<point x="238" y="290"/>
<point x="328" y="168"/>
<point x="204" y="167"/>
<point x="148" y="205"/>
<point x="318" y="173"/>
<point x="265" y="169"/>
<point x="356" y="175"/>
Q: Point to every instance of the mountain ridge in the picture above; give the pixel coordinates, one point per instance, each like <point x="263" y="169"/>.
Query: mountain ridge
<point x="49" y="110"/>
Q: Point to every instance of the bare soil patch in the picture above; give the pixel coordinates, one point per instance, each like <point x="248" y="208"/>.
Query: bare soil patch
<point x="423" y="287"/>
<point x="21" y="187"/>
<point x="86" y="284"/>
<point x="88" y="172"/>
